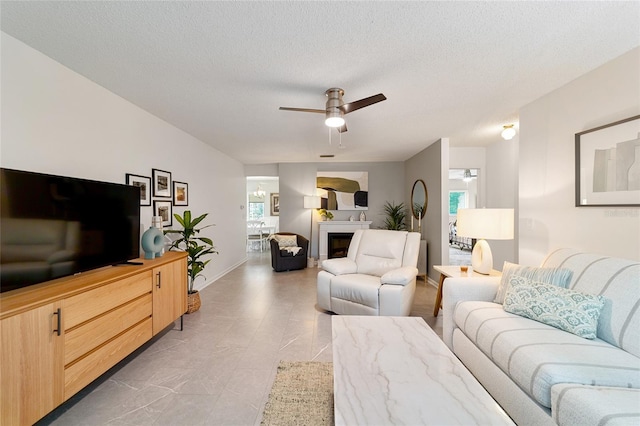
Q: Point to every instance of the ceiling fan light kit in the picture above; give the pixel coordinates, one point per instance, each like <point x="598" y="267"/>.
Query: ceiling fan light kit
<point x="334" y="118"/>
<point x="335" y="108"/>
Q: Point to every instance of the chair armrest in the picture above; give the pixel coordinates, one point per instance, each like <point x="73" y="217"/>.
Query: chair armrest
<point x="340" y="266"/>
<point x="400" y="276"/>
<point x="456" y="290"/>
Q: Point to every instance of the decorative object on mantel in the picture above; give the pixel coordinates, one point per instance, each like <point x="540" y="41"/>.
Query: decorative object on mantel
<point x="196" y="247"/>
<point x="153" y="239"/>
<point x="363" y="217"/>
<point x="326" y="214"/>
<point x="608" y="165"/>
<point x="395" y="216"/>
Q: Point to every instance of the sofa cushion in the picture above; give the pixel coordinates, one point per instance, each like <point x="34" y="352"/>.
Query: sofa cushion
<point x="595" y="405"/>
<point x="568" y="310"/>
<point x="286" y="240"/>
<point x="556" y="276"/>
<point x="357" y="288"/>
<point x="618" y="280"/>
<point x="537" y="356"/>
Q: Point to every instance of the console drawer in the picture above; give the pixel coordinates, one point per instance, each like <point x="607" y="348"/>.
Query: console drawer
<point x="87" y="369"/>
<point x="82" y="307"/>
<point x="91" y="334"/>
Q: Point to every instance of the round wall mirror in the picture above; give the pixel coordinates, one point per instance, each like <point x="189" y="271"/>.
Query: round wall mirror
<point x="419" y="199"/>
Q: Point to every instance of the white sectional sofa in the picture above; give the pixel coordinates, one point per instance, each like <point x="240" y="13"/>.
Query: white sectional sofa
<point x="540" y="374"/>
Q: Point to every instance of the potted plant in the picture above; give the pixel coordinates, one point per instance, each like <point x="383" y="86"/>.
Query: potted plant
<point x="326" y="214"/>
<point x="196" y="248"/>
<point x="395" y="215"/>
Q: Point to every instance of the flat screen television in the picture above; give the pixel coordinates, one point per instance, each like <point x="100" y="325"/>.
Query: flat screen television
<point x="55" y="226"/>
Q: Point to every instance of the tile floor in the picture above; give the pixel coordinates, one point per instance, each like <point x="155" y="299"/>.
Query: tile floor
<point x="219" y="370"/>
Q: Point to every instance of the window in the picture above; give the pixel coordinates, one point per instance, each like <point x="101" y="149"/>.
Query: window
<point x="256" y="210"/>
<point x="458" y="200"/>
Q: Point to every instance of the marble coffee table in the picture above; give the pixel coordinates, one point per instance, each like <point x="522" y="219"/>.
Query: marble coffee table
<point x="396" y="370"/>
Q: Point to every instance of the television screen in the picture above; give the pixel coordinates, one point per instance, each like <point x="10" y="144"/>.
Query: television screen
<point x="54" y="226"/>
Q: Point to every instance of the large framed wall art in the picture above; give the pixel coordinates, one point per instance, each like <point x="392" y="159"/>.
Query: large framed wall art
<point x="608" y="165"/>
<point x="343" y="190"/>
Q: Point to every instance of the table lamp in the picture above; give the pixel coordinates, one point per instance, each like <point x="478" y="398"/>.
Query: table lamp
<point x="484" y="224"/>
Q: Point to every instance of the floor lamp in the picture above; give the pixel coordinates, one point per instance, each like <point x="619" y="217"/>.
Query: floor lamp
<point x="312" y="202"/>
<point x="484" y="224"/>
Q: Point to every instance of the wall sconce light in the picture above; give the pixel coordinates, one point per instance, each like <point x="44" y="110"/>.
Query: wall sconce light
<point x="508" y="132"/>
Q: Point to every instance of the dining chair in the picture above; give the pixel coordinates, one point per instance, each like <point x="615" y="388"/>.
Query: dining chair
<point x="255" y="234"/>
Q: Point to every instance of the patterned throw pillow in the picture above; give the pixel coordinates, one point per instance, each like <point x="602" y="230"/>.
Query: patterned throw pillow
<point x="556" y="276"/>
<point x="286" y="240"/>
<point x="568" y="310"/>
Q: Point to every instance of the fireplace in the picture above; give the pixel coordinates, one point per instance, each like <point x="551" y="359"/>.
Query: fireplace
<point x="336" y="227"/>
<point x="338" y="243"/>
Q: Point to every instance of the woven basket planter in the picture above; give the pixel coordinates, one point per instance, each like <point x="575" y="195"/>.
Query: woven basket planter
<point x="193" y="302"/>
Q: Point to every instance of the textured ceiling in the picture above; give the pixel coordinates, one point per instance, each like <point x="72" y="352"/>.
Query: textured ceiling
<point x="220" y="70"/>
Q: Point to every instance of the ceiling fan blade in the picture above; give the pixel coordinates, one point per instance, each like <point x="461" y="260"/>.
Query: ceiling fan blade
<point x="319" y="111"/>
<point x="342" y="128"/>
<point x="355" y="105"/>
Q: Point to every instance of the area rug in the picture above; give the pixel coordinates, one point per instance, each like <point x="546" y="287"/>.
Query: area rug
<point x="302" y="394"/>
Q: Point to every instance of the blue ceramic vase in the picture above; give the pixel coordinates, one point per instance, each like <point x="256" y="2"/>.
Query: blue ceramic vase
<point x="152" y="243"/>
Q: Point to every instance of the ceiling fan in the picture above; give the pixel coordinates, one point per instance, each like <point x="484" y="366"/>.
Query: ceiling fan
<point x="336" y="108"/>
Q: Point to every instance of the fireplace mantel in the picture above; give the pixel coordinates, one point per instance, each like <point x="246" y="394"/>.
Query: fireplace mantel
<point x="328" y="226"/>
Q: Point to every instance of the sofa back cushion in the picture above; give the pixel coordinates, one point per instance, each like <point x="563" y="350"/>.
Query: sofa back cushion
<point x="378" y="251"/>
<point x="618" y="280"/>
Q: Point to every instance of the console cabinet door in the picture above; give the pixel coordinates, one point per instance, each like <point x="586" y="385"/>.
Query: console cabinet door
<point x="31" y="364"/>
<point x="169" y="293"/>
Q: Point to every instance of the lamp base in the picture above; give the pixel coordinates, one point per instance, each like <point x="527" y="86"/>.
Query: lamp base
<point x="481" y="258"/>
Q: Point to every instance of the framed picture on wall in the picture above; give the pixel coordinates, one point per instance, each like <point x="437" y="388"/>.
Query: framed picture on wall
<point x="163" y="208"/>
<point x="275" y="204"/>
<point x="608" y="165"/>
<point x="144" y="183"/>
<point x="161" y="183"/>
<point x="180" y="194"/>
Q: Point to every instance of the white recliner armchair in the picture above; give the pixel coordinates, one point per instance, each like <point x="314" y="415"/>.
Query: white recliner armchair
<point x="378" y="276"/>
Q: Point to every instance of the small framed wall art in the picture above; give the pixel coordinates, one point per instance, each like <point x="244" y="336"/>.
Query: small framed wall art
<point x="161" y="183"/>
<point x="275" y="204"/>
<point x="144" y="183"/>
<point x="163" y="208"/>
<point x="180" y="193"/>
<point x="608" y="165"/>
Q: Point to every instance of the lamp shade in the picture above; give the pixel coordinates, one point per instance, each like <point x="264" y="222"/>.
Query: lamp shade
<point x="484" y="224"/>
<point x="312" y="202"/>
<point x="487" y="224"/>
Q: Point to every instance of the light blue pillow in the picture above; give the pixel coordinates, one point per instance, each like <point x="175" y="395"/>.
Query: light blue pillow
<point x="568" y="310"/>
<point x="557" y="276"/>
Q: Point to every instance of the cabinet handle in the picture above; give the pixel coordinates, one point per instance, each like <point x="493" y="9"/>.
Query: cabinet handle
<point x="59" y="322"/>
<point x="159" y="280"/>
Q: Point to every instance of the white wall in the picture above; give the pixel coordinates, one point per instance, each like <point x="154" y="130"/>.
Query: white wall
<point x="501" y="180"/>
<point x="548" y="217"/>
<point x="56" y="121"/>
